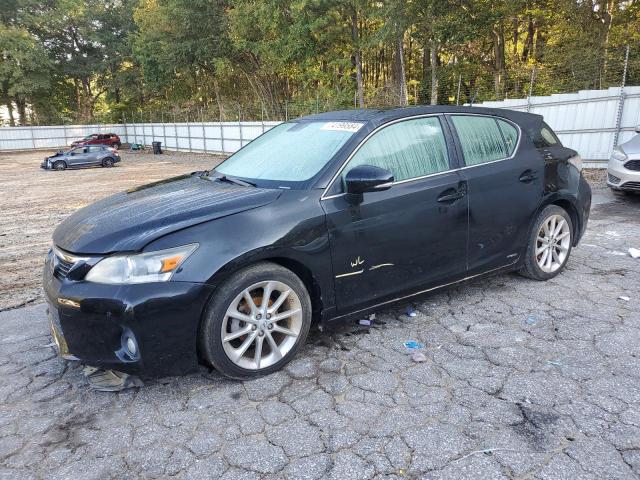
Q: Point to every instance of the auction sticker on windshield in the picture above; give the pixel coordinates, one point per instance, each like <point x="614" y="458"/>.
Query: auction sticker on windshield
<point x="342" y="126"/>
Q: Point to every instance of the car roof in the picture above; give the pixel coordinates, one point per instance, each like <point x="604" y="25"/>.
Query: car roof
<point x="527" y="121"/>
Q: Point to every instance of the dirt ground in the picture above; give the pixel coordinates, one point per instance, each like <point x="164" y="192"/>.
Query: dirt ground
<point x="35" y="201"/>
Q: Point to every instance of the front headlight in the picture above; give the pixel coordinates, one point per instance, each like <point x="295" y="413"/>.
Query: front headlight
<point x="147" y="267"/>
<point x="619" y="155"/>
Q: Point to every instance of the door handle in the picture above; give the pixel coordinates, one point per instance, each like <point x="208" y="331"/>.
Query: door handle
<point x="528" y="176"/>
<point x="452" y="196"/>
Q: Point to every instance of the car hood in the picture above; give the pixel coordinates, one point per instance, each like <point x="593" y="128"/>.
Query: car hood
<point x="130" y="220"/>
<point x="632" y="147"/>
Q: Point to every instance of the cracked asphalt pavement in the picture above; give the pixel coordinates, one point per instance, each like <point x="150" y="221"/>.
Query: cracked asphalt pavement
<point x="522" y="379"/>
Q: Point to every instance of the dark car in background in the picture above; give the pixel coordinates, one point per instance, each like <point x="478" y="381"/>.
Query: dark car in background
<point x="321" y="219"/>
<point x="82" y="156"/>
<point x="110" y="139"/>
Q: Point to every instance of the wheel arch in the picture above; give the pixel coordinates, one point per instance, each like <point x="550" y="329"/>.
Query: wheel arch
<point x="298" y="267"/>
<point x="568" y="204"/>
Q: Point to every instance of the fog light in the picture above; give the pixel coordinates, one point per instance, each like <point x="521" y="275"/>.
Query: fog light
<point x="132" y="347"/>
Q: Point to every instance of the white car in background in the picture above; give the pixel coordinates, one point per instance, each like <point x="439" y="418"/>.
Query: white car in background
<point x="623" y="171"/>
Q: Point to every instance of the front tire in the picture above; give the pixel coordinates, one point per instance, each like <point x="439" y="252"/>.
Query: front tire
<point x="107" y="162"/>
<point x="59" y="165"/>
<point x="549" y="245"/>
<point x="256" y="322"/>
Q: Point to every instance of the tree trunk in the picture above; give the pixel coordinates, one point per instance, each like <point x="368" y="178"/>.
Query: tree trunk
<point x="357" y="55"/>
<point x="12" y="119"/>
<point x="403" y="99"/>
<point x="528" y="45"/>
<point x="8" y="102"/>
<point x="216" y="92"/>
<point x="434" y="73"/>
<point x="499" y="59"/>
<point x="606" y="10"/>
<point x="426" y="70"/>
<point x="22" y="110"/>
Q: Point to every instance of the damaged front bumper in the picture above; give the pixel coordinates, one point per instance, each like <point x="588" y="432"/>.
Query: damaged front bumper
<point x="144" y="329"/>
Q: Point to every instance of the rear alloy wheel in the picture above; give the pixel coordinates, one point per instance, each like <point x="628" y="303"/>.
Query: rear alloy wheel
<point x="107" y="162"/>
<point x="257" y="322"/>
<point x="550" y="244"/>
<point x="59" y="165"/>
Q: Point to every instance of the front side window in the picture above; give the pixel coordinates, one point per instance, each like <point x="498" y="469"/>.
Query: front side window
<point x="408" y="149"/>
<point x="480" y="138"/>
<point x="289" y="152"/>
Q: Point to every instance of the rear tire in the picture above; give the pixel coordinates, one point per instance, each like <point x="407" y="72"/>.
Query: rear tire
<point x="262" y="336"/>
<point x="107" y="162"/>
<point x="550" y="244"/>
<point x="59" y="165"/>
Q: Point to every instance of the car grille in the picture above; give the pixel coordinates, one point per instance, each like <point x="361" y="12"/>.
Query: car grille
<point x="631" y="186"/>
<point x="63" y="263"/>
<point x="613" y="179"/>
<point x="633" y="165"/>
<point x="62" y="267"/>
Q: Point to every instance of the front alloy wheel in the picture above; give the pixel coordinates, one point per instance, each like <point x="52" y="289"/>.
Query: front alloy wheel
<point x="256" y="321"/>
<point x="261" y="325"/>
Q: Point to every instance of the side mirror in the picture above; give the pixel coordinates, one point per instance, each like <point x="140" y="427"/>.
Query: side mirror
<point x="637" y="128"/>
<point x="367" y="178"/>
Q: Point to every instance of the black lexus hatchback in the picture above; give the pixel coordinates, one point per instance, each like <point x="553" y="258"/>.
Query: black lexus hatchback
<point x="321" y="219"/>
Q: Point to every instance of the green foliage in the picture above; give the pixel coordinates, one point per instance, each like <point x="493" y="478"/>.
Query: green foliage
<point x="81" y="60"/>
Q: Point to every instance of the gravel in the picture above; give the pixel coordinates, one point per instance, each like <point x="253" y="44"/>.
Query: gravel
<point x="499" y="395"/>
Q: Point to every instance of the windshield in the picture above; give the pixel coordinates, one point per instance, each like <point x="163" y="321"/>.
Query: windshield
<point x="289" y="152"/>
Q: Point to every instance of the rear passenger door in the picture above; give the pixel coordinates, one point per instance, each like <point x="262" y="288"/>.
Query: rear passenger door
<point x="504" y="176"/>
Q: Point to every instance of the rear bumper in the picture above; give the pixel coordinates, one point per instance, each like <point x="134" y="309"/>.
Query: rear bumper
<point x="93" y="322"/>
<point x="622" y="178"/>
<point x="583" y="206"/>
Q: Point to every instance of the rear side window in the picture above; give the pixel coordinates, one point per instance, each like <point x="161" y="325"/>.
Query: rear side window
<point x="481" y="139"/>
<point x="408" y="149"/>
<point x="510" y="135"/>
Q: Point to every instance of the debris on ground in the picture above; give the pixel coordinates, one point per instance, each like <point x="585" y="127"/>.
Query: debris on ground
<point x="367" y="322"/>
<point x="531" y="320"/>
<point x="105" y="380"/>
<point x="411" y="312"/>
<point x="624" y="297"/>
<point x="634" y="252"/>
<point x="419" y="357"/>
<point x="413" y="345"/>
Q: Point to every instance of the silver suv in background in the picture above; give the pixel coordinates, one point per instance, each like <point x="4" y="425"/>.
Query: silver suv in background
<point x="83" y="156"/>
<point x="623" y="171"/>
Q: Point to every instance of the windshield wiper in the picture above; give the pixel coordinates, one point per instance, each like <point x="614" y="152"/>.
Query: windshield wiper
<point x="228" y="179"/>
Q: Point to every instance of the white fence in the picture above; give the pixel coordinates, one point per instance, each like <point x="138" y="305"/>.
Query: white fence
<point x="211" y="137"/>
<point x="587" y="121"/>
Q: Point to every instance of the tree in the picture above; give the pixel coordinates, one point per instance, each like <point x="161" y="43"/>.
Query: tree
<point x="24" y="70"/>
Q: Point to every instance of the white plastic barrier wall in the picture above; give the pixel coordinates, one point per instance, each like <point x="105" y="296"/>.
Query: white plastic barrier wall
<point x="214" y="137"/>
<point x="586" y="121"/>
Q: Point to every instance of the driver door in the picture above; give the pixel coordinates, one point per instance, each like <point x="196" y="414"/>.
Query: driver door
<point x="405" y="239"/>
